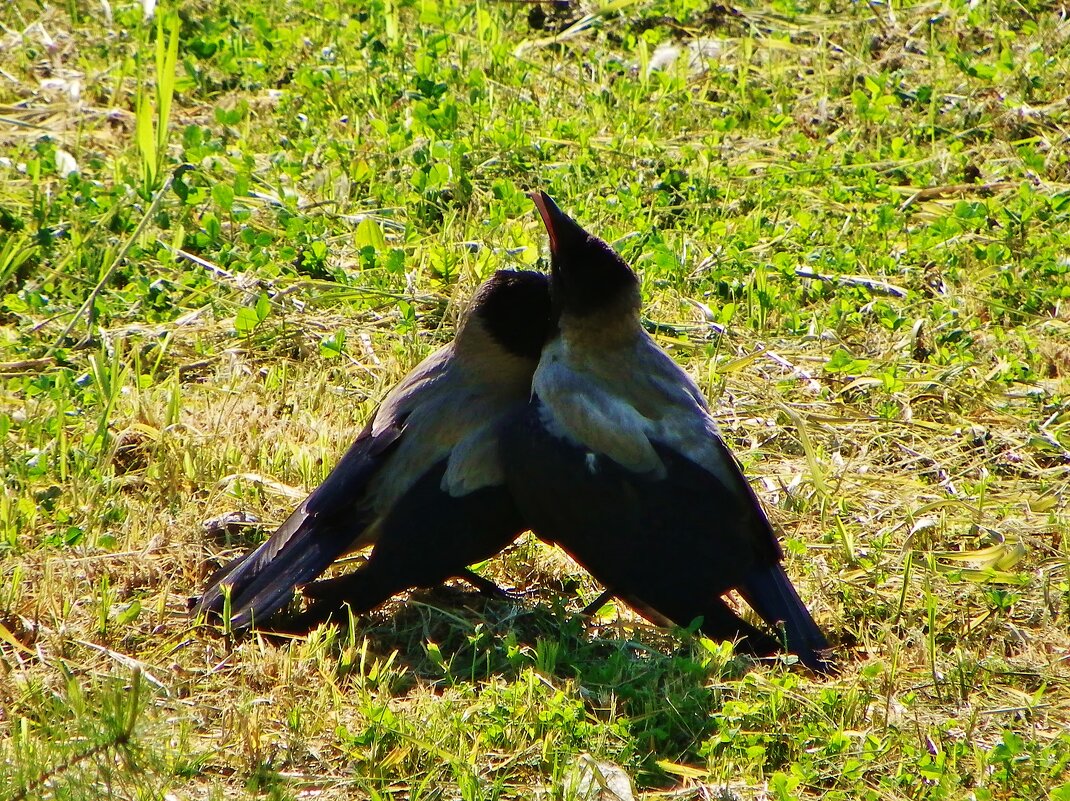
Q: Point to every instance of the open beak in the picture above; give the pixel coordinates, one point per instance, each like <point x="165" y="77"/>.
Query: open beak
<point x="564" y="232"/>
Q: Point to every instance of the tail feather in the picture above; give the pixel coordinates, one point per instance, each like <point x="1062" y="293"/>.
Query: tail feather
<point x="771" y="594"/>
<point x="266" y="580"/>
<point x="324" y="527"/>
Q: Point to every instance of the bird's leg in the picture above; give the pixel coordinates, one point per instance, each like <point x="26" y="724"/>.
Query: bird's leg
<point x="301" y="623"/>
<point x="486" y="586"/>
<point x="597" y="603"/>
<point x="337" y="589"/>
<point x="361" y="591"/>
<point x="719" y="622"/>
<point x="340" y="587"/>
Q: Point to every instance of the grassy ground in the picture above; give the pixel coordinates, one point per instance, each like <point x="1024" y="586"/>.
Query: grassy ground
<point x="225" y="232"/>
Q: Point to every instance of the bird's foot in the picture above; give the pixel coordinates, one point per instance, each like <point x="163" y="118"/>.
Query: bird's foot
<point x="486" y="586"/>
<point x="592" y="608"/>
<point x="301" y="623"/>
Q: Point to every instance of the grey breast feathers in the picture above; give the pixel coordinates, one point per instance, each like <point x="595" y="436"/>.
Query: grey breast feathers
<point x="452" y="406"/>
<point x="618" y="401"/>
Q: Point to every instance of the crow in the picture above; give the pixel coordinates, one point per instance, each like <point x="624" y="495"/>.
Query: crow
<point x="422" y="483"/>
<point x="617" y="460"/>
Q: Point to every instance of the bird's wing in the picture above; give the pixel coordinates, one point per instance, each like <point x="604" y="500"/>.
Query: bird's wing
<point x="437" y="409"/>
<point x="323" y="528"/>
<point x="764" y="586"/>
<point x="673" y="542"/>
<point x="336" y="517"/>
<point x="633" y="405"/>
<point x="426" y="538"/>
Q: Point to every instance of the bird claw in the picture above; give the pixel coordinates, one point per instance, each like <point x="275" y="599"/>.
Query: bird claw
<point x="487" y="587"/>
<point x="592" y="608"/>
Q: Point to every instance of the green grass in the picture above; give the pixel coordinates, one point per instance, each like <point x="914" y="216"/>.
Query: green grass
<point x="218" y="251"/>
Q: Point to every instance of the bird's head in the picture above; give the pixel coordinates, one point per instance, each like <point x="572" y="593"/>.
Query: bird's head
<point x="588" y="278"/>
<point x="513" y="308"/>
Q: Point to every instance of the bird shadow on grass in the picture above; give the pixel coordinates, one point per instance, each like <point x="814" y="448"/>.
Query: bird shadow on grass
<point x="668" y="685"/>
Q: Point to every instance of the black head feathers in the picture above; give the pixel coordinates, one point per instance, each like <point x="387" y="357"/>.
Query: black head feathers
<point x="588" y="276"/>
<point x="514" y="308"/>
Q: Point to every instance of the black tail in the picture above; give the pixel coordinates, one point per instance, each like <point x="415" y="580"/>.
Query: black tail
<point x="264" y="581"/>
<point x="324" y="527"/>
<point x="771" y="594"/>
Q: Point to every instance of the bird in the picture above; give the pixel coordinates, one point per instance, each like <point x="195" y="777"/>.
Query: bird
<point x="618" y="460"/>
<point x="422" y="483"/>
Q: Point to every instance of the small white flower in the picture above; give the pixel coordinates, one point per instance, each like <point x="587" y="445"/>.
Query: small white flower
<point x="65" y="163"/>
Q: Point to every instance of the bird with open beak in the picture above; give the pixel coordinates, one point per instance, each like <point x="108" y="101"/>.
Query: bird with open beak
<point x="618" y="460"/>
<point x="422" y="483"/>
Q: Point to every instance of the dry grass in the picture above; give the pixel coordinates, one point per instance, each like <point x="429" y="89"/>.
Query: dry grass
<point x="913" y="449"/>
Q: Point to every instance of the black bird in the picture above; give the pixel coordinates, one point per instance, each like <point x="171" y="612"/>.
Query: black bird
<point x="422" y="482"/>
<point x="618" y="460"/>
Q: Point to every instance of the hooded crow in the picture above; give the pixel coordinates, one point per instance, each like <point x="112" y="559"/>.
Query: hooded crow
<point x="422" y="482"/>
<point x="618" y="460"/>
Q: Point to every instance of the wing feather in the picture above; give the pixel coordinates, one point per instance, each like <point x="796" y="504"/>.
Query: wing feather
<point x="672" y="543"/>
<point x="326" y="525"/>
